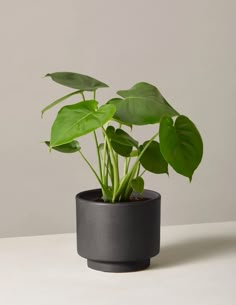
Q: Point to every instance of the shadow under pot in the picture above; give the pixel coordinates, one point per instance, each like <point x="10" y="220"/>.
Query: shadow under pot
<point x="118" y="237"/>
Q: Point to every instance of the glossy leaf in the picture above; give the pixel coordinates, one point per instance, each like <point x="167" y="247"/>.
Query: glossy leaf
<point x="71" y="147"/>
<point x="121" y="141"/>
<point x="58" y="101"/>
<point x="181" y="144"/>
<point x="143" y="104"/>
<point x="152" y="159"/>
<point x="77" y="81"/>
<point x="138" y="184"/>
<point x="76" y="120"/>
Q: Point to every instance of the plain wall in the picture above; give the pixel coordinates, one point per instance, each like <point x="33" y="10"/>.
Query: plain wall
<point x="187" y="48"/>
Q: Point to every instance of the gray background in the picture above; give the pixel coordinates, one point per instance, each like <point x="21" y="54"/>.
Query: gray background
<point x="186" y="48"/>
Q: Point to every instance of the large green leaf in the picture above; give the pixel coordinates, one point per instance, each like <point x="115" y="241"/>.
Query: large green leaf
<point x="140" y="89"/>
<point x="142" y="104"/>
<point x="77" y="81"/>
<point x="71" y="147"/>
<point x="152" y="159"/>
<point x="58" y="101"/>
<point x="76" y="120"/>
<point x="116" y="101"/>
<point x="138" y="184"/>
<point x="181" y="144"/>
<point x="121" y="141"/>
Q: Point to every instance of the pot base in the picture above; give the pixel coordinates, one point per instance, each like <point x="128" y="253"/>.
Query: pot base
<point x="118" y="266"/>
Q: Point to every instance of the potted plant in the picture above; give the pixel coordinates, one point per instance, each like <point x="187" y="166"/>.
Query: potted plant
<point x="118" y="225"/>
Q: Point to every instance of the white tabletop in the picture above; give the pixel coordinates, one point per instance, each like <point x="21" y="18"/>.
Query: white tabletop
<point x="197" y="265"/>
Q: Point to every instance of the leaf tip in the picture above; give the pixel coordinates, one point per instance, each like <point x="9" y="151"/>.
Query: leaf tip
<point x="46" y="75"/>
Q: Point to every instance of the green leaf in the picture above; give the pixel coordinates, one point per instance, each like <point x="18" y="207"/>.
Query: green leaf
<point x="116" y="102"/>
<point x="121" y="141"/>
<point x="134" y="153"/>
<point x="110" y="131"/>
<point x="101" y="148"/>
<point x="122" y="137"/>
<point x="76" y="120"/>
<point x="152" y="159"/>
<point x="71" y="147"/>
<point x="138" y="184"/>
<point x="140" y="89"/>
<point x="181" y="144"/>
<point x="77" y="81"/>
<point x="61" y="99"/>
<point x="143" y="104"/>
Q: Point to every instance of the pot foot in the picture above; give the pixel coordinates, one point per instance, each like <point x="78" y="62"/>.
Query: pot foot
<point x="119" y="266"/>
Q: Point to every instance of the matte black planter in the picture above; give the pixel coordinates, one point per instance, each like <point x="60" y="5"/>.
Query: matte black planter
<point x="118" y="237"/>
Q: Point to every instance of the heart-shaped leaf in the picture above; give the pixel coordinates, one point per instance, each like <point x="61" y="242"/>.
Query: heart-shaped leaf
<point x="76" y="120"/>
<point x="152" y="159"/>
<point x="138" y="184"/>
<point x="143" y="104"/>
<point x="71" y="147"/>
<point x="58" y="101"/>
<point x="181" y="144"/>
<point x="121" y="141"/>
<point x="77" y="81"/>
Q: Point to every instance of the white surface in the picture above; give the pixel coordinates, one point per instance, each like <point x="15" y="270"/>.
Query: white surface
<point x="186" y="48"/>
<point x="197" y="266"/>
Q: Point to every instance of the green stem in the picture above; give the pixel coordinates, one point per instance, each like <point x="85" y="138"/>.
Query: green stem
<point x="104" y="159"/>
<point x="142" y="173"/>
<point x="94" y="95"/>
<point x="126" y="179"/>
<point x="82" y="93"/>
<point x="98" y="153"/>
<point x="128" y="189"/>
<point x="138" y="169"/>
<point x="91" y="167"/>
<point x="125" y="167"/>
<point x="115" y="167"/>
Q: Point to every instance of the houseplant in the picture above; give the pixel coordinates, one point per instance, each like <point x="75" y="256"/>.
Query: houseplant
<point x="118" y="225"/>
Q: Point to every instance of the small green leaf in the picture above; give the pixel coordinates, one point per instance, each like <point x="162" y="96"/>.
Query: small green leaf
<point x="134" y="153"/>
<point x="76" y="120"/>
<point x="181" y="144"/>
<point x="101" y="147"/>
<point x="71" y="147"/>
<point x="121" y="141"/>
<point x="77" y="81"/>
<point x="138" y="184"/>
<point x="61" y="99"/>
<point x="123" y="150"/>
<point x="110" y="131"/>
<point x="152" y="159"/>
<point x="142" y="104"/>
<point x="122" y="137"/>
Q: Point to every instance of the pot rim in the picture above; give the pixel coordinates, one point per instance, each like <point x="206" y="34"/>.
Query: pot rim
<point x="82" y="196"/>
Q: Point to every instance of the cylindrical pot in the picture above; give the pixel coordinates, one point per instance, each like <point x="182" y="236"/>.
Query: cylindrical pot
<point x="118" y="237"/>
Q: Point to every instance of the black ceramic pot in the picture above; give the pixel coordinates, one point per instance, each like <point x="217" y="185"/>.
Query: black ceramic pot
<point x="118" y="237"/>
